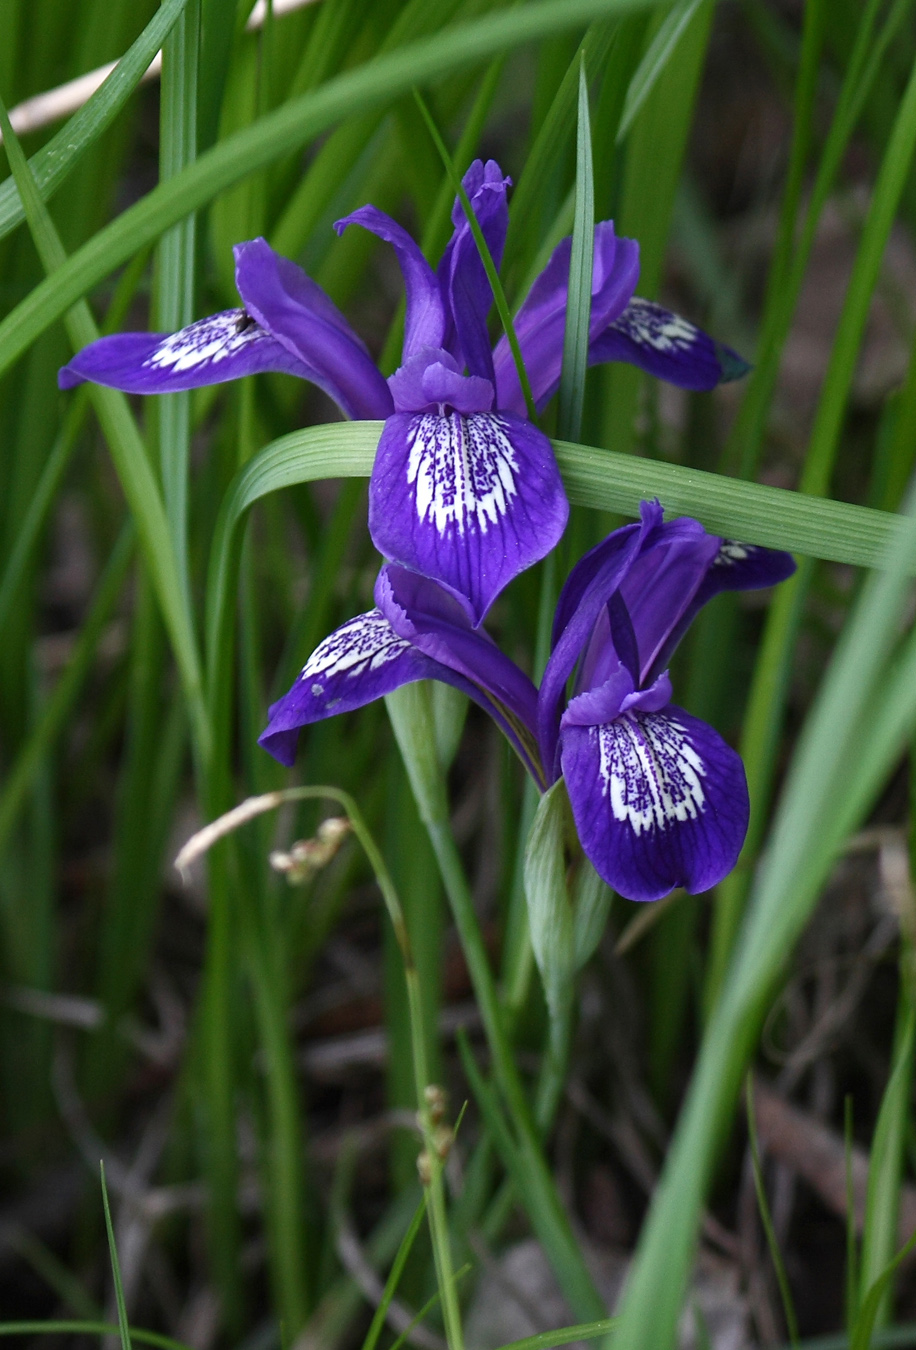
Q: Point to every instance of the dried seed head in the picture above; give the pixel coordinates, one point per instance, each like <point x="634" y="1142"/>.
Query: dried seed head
<point x="424" y="1169"/>
<point x="308" y="856"/>
<point x="443" y="1138"/>
<point x="436" y="1099"/>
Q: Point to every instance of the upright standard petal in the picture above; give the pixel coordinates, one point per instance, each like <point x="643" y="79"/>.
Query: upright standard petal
<point x="360" y="662"/>
<point x="425" y="321"/>
<point x="296" y="311"/>
<point x="541" y="320"/>
<point x="223" y="347"/>
<point x="667" y="346"/>
<point x="583" y="599"/>
<point x="663" y="581"/>
<point x="659" y="801"/>
<point x="470" y="501"/>
<point x="462" y="276"/>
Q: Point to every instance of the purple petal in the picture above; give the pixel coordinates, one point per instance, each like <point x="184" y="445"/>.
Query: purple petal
<point x="734" y="567"/>
<point x="582" y="603"/>
<point x="462" y="277"/>
<point x="617" y="695"/>
<point x="296" y="311"/>
<point x="224" y="347"/>
<point x="665" y="345"/>
<point x="468" y="501"/>
<point x="441" y="626"/>
<point x="663" y="581"/>
<point x="746" y="567"/>
<point x="659" y="801"/>
<point x="540" y="323"/>
<point x="426" y="320"/>
<point x="430" y="381"/>
<point x="363" y="660"/>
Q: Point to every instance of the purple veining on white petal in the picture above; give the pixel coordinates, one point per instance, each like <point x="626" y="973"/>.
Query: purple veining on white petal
<point x="659" y="801"/>
<point x="366" y="643"/>
<point x="649" y="772"/>
<point x="361" y="661"/>
<point x="208" y="341"/>
<point x="468" y="501"/>
<point x="667" y="346"/>
<point x="223" y="347"/>
<point x="464" y="472"/>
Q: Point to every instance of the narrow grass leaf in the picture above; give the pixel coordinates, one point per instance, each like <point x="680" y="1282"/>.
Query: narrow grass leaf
<point x="427" y="1308"/>
<point x="175" y="279"/>
<point x="549" y="909"/>
<point x="20" y="775"/>
<point x="657" y="55"/>
<point x="394" y="1276"/>
<point x="862" y="1337"/>
<point x="782" y="1279"/>
<point x="59" y="1328"/>
<point x="851" y="1289"/>
<point x="601" y="479"/>
<point x="123" y="1325"/>
<point x="879" y="1236"/>
<point x="579" y="294"/>
<point x="746" y="437"/>
<point x="764" y="715"/>
<point x="549" y="146"/>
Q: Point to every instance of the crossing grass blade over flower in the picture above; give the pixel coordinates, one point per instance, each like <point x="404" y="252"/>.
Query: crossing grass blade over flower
<point x="658" y="798"/>
<point x="465" y="489"/>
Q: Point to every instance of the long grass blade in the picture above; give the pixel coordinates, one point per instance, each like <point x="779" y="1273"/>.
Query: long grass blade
<point x="123" y="1324"/>
<point x="175" y="302"/>
<point x="579" y="294"/>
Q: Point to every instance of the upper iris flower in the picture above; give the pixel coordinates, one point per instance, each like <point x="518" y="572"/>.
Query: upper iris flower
<point x="658" y="798"/>
<point x="465" y="489"/>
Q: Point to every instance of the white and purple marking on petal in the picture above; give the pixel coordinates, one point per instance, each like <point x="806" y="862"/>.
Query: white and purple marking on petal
<point x="365" y="644"/>
<point x="208" y="341"/>
<point x="731" y="552"/>
<point x="463" y="471"/>
<point x="652" y="326"/>
<point x="650" y="771"/>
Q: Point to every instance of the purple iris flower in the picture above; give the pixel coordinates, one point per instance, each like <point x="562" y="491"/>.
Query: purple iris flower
<point x="658" y="798"/>
<point x="465" y="489"/>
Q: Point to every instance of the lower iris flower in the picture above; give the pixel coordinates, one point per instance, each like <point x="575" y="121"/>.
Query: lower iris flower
<point x="659" y="799"/>
<point x="465" y="488"/>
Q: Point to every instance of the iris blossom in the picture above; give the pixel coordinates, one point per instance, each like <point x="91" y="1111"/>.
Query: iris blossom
<point x="659" y="799"/>
<point x="465" y="488"/>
